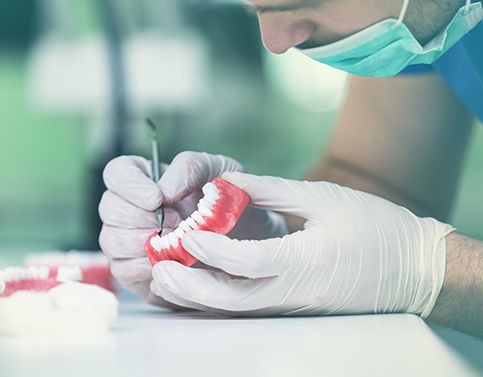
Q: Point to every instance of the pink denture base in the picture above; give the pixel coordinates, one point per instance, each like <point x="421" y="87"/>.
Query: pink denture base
<point x="226" y="211"/>
<point x="99" y="275"/>
<point x="38" y="285"/>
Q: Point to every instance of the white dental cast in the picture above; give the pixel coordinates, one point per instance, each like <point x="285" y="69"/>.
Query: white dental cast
<point x="193" y="222"/>
<point x="69" y="310"/>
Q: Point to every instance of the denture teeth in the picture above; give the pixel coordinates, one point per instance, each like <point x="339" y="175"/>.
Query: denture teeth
<point x="70" y="258"/>
<point x="36" y="272"/>
<point x="209" y="188"/>
<point x="22" y="273"/>
<point x="161" y="244"/>
<point x="184" y="225"/>
<point x="156" y="242"/>
<point x="205" y="203"/>
<point x="179" y="232"/>
<point x="69" y="273"/>
<point x="196" y="216"/>
<point x="173" y="240"/>
<point x="192" y="223"/>
<point x="211" y="198"/>
<point x="205" y="211"/>
<point x="211" y="195"/>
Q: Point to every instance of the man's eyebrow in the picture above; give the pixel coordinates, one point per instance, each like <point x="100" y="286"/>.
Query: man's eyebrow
<point x="300" y="4"/>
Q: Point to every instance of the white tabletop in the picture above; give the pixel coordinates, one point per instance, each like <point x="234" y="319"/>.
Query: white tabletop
<point x="150" y="342"/>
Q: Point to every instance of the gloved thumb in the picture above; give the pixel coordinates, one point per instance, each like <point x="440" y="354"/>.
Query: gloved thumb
<point x="277" y="194"/>
<point x="248" y="258"/>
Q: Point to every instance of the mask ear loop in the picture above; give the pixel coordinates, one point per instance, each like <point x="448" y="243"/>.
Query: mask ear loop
<point x="404" y="11"/>
<point x="468" y="5"/>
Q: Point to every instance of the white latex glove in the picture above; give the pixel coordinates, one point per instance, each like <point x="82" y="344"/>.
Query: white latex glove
<point x="358" y="254"/>
<point x="127" y="210"/>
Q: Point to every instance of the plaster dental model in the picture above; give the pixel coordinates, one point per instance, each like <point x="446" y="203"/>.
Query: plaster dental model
<point x="218" y="211"/>
<point x="33" y="304"/>
<point x="85" y="267"/>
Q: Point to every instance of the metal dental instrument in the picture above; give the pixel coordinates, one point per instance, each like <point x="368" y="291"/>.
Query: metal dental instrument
<point x="155" y="168"/>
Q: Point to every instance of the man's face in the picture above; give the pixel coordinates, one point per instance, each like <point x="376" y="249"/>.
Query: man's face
<point x="312" y="23"/>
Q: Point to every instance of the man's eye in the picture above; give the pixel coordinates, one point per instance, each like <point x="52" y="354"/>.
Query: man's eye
<point x="310" y="6"/>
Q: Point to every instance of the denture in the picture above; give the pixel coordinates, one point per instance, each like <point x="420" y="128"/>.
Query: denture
<point x="84" y="267"/>
<point x="218" y="211"/>
<point x="13" y="279"/>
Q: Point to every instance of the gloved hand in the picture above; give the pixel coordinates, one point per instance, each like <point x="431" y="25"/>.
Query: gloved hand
<point x="127" y="210"/>
<point x="358" y="254"/>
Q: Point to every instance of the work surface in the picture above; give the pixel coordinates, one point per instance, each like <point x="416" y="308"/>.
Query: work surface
<point x="149" y="342"/>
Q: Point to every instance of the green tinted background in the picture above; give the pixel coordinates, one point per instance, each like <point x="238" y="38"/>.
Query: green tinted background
<point x="44" y="156"/>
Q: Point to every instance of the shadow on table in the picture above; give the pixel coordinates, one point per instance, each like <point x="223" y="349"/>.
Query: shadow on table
<point x="467" y="347"/>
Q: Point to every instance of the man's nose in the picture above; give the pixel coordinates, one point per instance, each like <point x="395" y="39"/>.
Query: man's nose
<point x="279" y="35"/>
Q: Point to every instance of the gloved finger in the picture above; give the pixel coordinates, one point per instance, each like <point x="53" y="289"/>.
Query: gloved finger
<point x="116" y="212"/>
<point x="160" y="291"/>
<point x="129" y="177"/>
<point x="131" y="271"/>
<point x="253" y="259"/>
<point x="135" y="275"/>
<point x="189" y="171"/>
<point x="152" y="299"/>
<point x="123" y="243"/>
<point x="216" y="289"/>
<point x="282" y="195"/>
<point x="167" y="295"/>
<point x="143" y="290"/>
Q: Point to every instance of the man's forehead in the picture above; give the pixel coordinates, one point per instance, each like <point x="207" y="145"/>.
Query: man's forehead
<point x="282" y="5"/>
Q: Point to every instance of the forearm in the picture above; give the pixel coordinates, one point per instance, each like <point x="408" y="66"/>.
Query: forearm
<point x="460" y="303"/>
<point x="403" y="139"/>
<point x="350" y="172"/>
<point x="347" y="172"/>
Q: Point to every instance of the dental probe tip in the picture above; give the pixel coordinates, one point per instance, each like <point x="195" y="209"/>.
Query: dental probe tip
<point x="160" y="216"/>
<point x="151" y="124"/>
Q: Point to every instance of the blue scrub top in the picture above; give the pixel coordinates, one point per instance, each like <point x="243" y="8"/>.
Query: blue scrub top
<point x="462" y="69"/>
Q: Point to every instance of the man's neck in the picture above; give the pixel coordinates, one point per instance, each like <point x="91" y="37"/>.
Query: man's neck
<point x="427" y="18"/>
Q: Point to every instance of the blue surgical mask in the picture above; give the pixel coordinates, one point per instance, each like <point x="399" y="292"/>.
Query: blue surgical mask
<point x="386" y="48"/>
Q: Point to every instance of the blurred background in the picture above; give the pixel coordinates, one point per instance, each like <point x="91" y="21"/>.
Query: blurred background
<point x="78" y="78"/>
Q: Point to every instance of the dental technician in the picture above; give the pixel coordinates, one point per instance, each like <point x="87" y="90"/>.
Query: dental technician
<point x="375" y="237"/>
